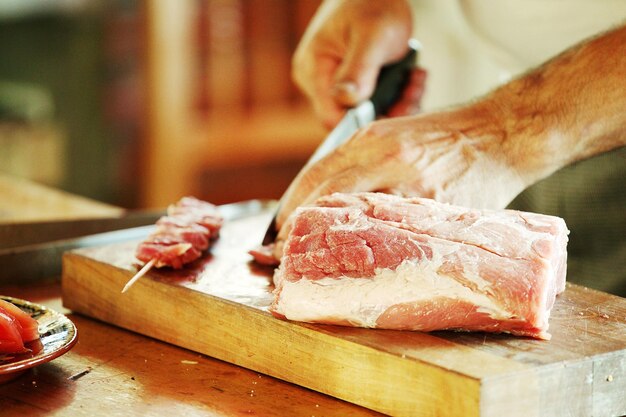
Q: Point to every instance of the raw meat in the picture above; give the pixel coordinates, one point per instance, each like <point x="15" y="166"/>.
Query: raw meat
<point x="29" y="328"/>
<point x="10" y="339"/>
<point x="181" y="236"/>
<point x="192" y="210"/>
<point x="381" y="261"/>
<point x="265" y="255"/>
<point x="16" y="327"/>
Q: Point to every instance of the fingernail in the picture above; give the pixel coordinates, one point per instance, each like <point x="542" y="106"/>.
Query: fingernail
<point x="346" y="92"/>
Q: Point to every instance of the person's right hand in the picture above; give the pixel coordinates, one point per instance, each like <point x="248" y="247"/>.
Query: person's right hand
<point x="464" y="156"/>
<point x="340" y="55"/>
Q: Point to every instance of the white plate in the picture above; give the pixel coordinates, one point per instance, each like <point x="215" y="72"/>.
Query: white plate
<point x="57" y="335"/>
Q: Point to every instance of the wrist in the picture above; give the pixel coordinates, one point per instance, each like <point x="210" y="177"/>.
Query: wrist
<point x="566" y="110"/>
<point x="530" y="129"/>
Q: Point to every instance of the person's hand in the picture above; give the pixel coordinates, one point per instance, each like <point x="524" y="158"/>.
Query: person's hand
<point x="340" y="55"/>
<point x="486" y="152"/>
<point x="460" y="156"/>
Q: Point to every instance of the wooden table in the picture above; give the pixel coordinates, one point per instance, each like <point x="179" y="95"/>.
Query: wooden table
<point x="22" y="201"/>
<point x="111" y="371"/>
<point x="114" y="372"/>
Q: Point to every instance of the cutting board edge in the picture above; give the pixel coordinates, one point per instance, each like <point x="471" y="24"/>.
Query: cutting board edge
<point x="422" y="380"/>
<point x="481" y="391"/>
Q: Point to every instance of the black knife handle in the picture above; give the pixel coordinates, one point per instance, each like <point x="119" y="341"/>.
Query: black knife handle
<point x="392" y="79"/>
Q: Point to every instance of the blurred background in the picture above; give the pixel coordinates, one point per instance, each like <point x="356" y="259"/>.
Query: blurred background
<point x="137" y="103"/>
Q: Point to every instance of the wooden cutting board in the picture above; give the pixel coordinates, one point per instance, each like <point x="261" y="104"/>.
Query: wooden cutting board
<point x="219" y="307"/>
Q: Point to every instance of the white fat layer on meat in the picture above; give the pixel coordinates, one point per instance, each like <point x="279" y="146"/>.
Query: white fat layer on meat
<point x="362" y="300"/>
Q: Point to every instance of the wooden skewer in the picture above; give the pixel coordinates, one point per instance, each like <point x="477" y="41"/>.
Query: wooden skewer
<point x="143" y="271"/>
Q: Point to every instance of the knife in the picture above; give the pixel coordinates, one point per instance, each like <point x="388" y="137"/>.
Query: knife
<point x="389" y="86"/>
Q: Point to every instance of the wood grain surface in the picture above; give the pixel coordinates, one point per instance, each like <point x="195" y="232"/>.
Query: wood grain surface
<point x="22" y="200"/>
<point x="112" y="372"/>
<point x="218" y="307"/>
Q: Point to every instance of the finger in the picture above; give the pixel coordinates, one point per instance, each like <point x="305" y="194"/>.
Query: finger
<point x="344" y="170"/>
<point x="317" y="80"/>
<point x="306" y="188"/>
<point x="356" y="76"/>
<point x="347" y="181"/>
<point x="327" y="111"/>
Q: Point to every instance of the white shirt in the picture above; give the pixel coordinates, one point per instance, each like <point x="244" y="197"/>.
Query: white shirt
<point x="471" y="46"/>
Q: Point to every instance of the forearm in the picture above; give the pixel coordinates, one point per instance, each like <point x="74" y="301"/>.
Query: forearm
<point x="571" y="108"/>
<point x="485" y="153"/>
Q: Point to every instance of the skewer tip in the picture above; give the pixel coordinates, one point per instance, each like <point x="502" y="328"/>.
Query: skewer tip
<point x="143" y="271"/>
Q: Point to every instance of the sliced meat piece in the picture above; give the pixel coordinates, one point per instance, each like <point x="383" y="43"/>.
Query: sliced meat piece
<point x="174" y="255"/>
<point x="381" y="261"/>
<point x="29" y="328"/>
<point x="191" y="210"/>
<point x="182" y="236"/>
<point x="10" y="337"/>
<point x="174" y="229"/>
<point x="264" y="255"/>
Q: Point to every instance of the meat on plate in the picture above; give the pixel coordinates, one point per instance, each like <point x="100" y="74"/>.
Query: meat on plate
<point x="16" y="328"/>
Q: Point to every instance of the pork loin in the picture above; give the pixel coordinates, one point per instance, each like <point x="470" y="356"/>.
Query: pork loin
<point x="381" y="261"/>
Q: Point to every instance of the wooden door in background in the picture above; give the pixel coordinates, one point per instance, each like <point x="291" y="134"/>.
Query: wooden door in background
<point x="224" y="121"/>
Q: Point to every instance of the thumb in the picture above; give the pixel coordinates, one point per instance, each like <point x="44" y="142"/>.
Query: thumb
<point x="357" y="73"/>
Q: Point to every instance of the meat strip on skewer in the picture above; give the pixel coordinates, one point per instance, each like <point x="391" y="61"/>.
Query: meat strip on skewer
<point x="189" y="228"/>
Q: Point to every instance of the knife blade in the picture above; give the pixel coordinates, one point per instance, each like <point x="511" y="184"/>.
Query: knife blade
<point x="389" y="86"/>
